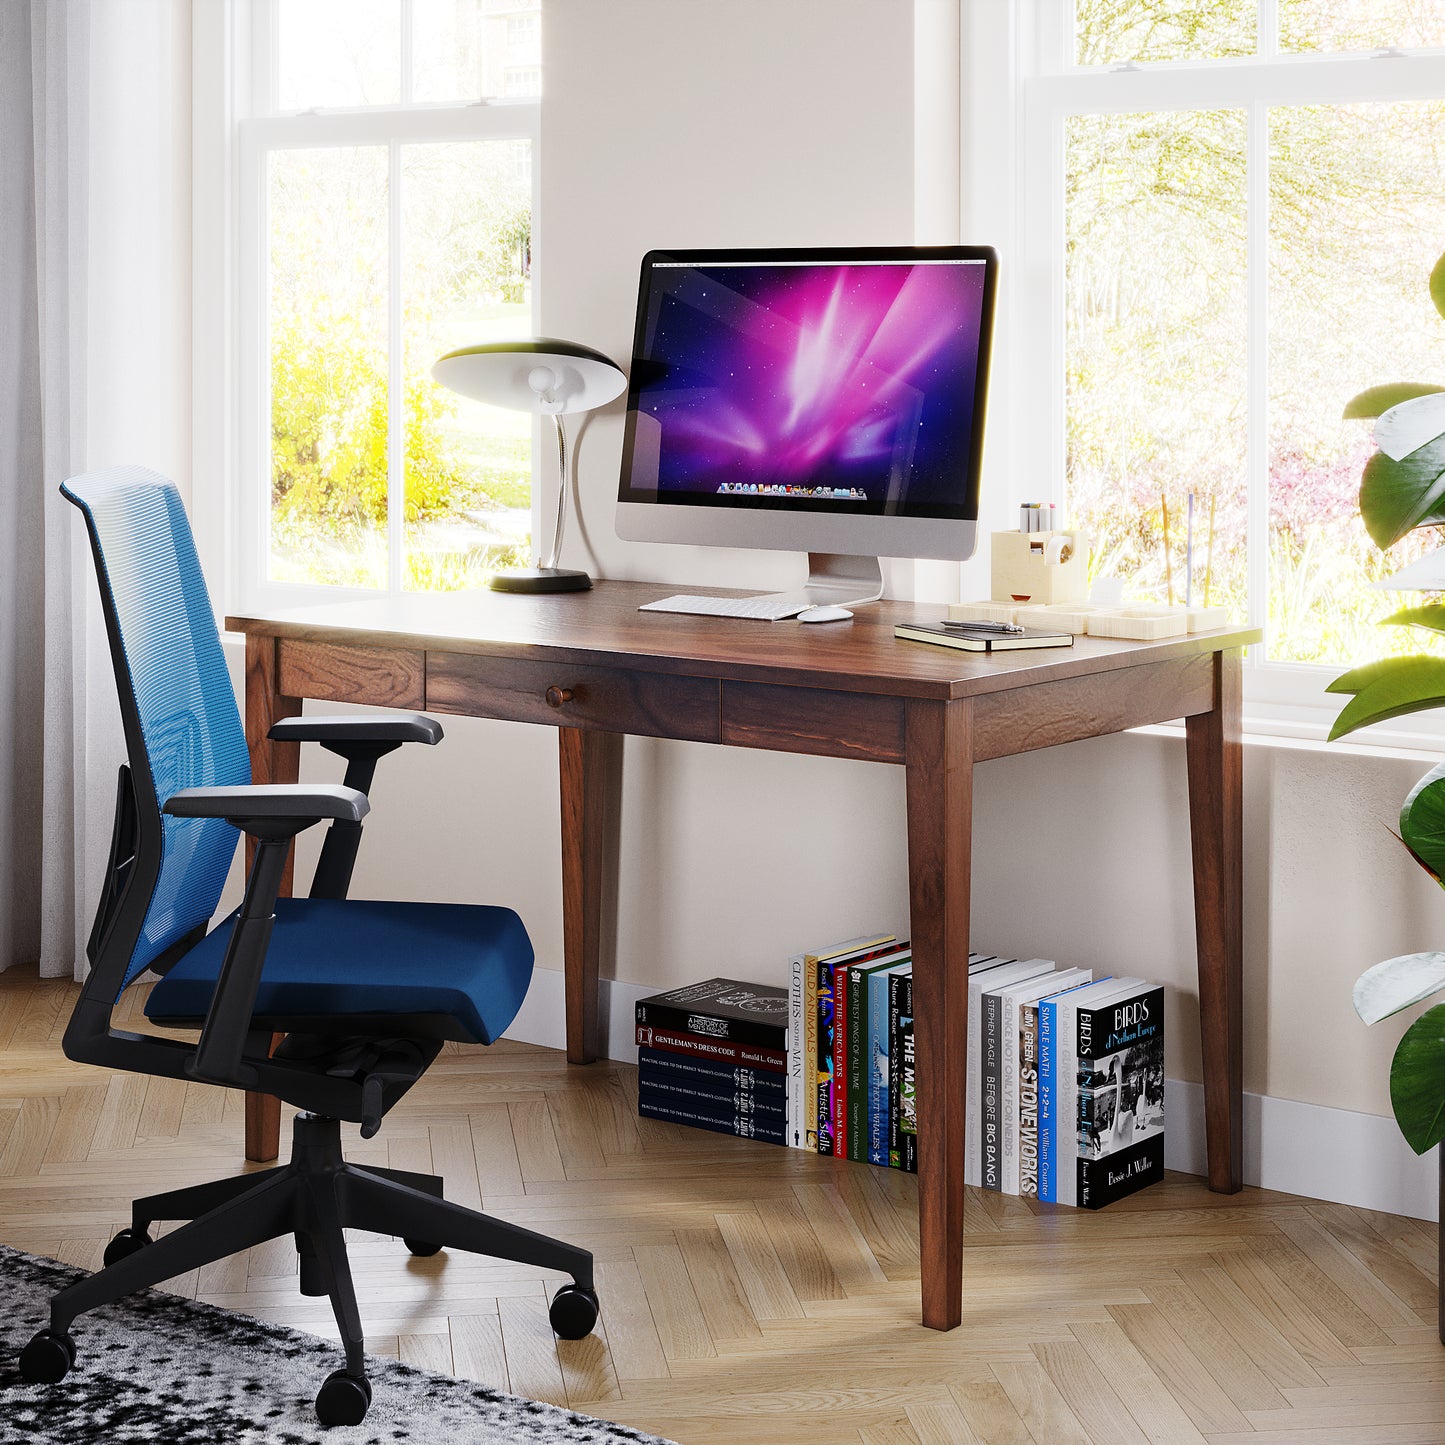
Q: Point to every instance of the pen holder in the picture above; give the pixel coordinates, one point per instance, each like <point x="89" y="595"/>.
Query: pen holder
<point x="1042" y="568"/>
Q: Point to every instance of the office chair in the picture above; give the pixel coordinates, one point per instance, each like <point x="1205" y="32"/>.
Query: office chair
<point x="365" y="992"/>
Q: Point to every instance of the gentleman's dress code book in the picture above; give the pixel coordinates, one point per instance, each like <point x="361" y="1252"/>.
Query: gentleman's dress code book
<point x="721" y="1008"/>
<point x="671" y="1041"/>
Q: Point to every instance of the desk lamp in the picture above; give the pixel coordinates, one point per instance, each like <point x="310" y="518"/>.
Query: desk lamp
<point x="547" y="378"/>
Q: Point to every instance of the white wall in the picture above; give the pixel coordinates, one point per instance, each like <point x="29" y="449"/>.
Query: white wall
<point x="139" y="363"/>
<point x="754" y="122"/>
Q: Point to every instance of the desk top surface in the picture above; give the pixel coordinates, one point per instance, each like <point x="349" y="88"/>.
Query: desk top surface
<point x="603" y="627"/>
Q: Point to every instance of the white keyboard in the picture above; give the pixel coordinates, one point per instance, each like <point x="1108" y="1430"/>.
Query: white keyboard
<point x="766" y="609"/>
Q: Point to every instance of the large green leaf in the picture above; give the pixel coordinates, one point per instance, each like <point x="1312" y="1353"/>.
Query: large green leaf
<point x="1431" y="615"/>
<point x="1417" y="1081"/>
<point x="1397" y="497"/>
<point x="1437" y="285"/>
<point x="1422" y="821"/>
<point x="1377" y="400"/>
<point x="1389" y="688"/>
<point x="1397" y="983"/>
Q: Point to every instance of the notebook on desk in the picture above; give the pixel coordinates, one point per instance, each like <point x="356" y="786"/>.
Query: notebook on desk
<point x="968" y="639"/>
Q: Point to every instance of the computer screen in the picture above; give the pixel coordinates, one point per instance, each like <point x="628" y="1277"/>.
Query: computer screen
<point x="819" y="400"/>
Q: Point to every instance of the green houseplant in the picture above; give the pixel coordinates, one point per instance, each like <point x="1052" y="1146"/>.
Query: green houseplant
<point x="1403" y="489"/>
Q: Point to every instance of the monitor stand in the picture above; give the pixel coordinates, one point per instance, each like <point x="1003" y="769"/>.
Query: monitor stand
<point x="836" y="579"/>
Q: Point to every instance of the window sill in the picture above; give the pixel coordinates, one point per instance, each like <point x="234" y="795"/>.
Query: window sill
<point x="1268" y="732"/>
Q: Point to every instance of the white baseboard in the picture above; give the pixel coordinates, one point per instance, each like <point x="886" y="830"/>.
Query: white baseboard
<point x="1333" y="1154"/>
<point x="542" y="1018"/>
<point x="1306" y="1149"/>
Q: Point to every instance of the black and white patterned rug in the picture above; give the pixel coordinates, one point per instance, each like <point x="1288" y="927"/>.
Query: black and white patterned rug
<point x="162" y="1370"/>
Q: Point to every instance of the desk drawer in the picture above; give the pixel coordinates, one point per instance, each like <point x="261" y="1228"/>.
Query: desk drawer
<point x="337" y="672"/>
<point x="813" y="720"/>
<point x="646" y="704"/>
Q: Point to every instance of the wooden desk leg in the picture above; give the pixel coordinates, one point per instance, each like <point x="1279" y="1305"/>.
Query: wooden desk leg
<point x="270" y="763"/>
<point x="590" y="768"/>
<point x="1216" y="822"/>
<point x="939" y="761"/>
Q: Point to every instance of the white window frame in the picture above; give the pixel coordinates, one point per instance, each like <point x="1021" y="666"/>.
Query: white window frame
<point x="1020" y="85"/>
<point x="235" y="129"/>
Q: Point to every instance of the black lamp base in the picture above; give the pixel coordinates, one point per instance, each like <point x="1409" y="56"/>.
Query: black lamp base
<point x="540" y="579"/>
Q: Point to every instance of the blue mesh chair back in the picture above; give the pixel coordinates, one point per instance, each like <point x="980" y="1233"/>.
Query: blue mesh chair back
<point x="175" y="691"/>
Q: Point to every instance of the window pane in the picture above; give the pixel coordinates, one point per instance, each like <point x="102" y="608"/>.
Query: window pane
<point x="1155" y="341"/>
<point x="1360" y="24"/>
<point x="1113" y="32"/>
<point x="327" y="311"/>
<point x="466" y="246"/>
<point x="338" y="53"/>
<point x="1357" y="219"/>
<point x="470" y="49"/>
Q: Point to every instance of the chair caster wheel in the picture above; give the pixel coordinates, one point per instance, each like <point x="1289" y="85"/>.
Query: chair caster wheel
<point x="573" y="1312"/>
<point x="48" y="1358"/>
<point x="125" y="1244"/>
<point x="421" y="1249"/>
<point x="343" y="1399"/>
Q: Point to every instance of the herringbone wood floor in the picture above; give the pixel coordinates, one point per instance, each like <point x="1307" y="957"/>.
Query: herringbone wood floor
<point x="755" y="1295"/>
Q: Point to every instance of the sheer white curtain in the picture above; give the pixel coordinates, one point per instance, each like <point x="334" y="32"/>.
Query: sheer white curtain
<point x="44" y="657"/>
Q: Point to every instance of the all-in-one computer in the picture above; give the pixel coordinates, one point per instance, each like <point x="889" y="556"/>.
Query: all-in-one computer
<point x="828" y="401"/>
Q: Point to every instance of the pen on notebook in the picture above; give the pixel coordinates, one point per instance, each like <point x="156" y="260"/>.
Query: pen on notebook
<point x="980" y="626"/>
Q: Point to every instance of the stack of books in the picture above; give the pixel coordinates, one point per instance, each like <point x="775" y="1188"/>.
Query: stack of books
<point x="1080" y="1125"/>
<point x="1101" y="1092"/>
<point x="715" y="1055"/>
<point x="1065" y="1072"/>
<point x="851" y="1011"/>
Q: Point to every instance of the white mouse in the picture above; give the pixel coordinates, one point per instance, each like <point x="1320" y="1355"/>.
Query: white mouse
<point x="824" y="614"/>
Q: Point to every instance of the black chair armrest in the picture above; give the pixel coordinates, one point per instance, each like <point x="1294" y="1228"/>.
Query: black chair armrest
<point x="358" y="728"/>
<point x="263" y="803"/>
<point x="272" y="813"/>
<point x="362" y="739"/>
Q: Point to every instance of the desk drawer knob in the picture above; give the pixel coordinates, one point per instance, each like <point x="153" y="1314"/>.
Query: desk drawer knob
<point x="556" y="696"/>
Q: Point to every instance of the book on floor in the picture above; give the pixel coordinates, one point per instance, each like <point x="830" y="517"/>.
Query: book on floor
<point x="743" y="1126"/>
<point x="1013" y="1002"/>
<point x="803" y="1006"/>
<point x="721" y="1008"/>
<point x="857" y="1050"/>
<point x="1121" y="1095"/>
<point x="1066" y="1079"/>
<point x="983" y="1061"/>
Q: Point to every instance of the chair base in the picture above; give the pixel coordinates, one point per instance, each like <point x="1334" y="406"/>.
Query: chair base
<point x="315" y="1197"/>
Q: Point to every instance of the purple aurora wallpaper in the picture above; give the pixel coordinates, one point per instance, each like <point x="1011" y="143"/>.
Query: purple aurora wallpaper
<point x="848" y="384"/>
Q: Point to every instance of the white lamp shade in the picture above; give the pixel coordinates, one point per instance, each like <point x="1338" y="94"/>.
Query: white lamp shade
<point x="537" y="374"/>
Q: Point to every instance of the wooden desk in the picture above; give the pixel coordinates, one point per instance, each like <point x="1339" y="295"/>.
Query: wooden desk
<point x="595" y="668"/>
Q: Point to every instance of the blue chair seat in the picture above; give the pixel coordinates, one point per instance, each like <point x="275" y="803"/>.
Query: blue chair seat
<point x="333" y="959"/>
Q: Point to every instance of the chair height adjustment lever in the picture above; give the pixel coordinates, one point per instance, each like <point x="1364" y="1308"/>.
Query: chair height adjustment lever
<point x="373" y="1097"/>
<point x="371" y="1101"/>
